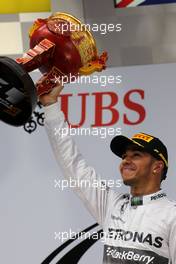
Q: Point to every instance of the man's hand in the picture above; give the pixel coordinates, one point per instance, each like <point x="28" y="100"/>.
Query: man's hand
<point x="51" y="97"/>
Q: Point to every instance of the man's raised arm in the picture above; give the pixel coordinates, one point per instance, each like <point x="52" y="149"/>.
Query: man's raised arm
<point x="71" y="161"/>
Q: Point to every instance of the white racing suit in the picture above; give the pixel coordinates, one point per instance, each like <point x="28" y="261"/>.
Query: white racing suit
<point x="143" y="234"/>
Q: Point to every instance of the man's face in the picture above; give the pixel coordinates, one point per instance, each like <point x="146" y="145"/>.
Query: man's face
<point x="136" y="167"/>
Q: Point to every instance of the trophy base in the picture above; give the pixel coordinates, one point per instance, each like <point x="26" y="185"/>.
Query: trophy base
<point x="18" y="96"/>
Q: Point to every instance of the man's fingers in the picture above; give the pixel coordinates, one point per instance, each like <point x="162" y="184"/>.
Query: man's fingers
<point x="57" y="89"/>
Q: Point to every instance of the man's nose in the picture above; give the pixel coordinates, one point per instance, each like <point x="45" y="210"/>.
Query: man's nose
<point x="127" y="159"/>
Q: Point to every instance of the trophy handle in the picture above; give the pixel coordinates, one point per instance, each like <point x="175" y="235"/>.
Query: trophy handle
<point x="96" y="65"/>
<point x="49" y="80"/>
<point x="38" y="56"/>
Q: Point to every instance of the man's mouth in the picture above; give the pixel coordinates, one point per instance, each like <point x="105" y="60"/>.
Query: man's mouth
<point x="129" y="168"/>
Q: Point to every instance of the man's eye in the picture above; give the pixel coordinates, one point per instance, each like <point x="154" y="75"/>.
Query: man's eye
<point x="137" y="154"/>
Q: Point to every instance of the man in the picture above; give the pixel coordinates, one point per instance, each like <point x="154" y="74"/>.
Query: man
<point x="139" y="227"/>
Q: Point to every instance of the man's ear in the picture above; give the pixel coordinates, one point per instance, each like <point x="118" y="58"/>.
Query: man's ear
<point x="158" y="166"/>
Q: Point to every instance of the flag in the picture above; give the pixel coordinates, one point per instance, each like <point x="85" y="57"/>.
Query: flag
<point x="22" y="6"/>
<point x="133" y="3"/>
